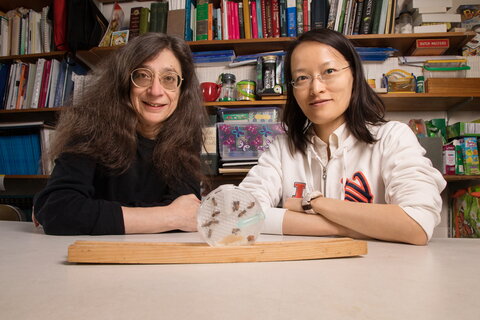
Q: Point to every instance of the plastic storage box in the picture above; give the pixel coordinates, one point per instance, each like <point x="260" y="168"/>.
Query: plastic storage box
<point x="245" y="141"/>
<point x="445" y="68"/>
<point x="251" y="115"/>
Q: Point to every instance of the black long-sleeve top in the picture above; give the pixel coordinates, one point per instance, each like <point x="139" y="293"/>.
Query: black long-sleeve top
<point x="83" y="197"/>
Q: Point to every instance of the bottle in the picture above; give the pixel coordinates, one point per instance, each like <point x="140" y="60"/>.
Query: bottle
<point x="420" y="84"/>
<point x="269" y="63"/>
<point x="227" y="92"/>
<point x="405" y="23"/>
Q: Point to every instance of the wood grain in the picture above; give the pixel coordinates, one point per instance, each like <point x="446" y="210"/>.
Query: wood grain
<point x="172" y="252"/>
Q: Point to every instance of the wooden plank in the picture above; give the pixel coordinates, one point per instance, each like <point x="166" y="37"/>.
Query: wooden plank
<point x="171" y="252"/>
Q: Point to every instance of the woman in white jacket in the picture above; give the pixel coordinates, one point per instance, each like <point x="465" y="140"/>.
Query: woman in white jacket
<point x="341" y="169"/>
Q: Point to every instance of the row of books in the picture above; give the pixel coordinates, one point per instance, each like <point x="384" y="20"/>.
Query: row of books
<point x="22" y="146"/>
<point x="252" y="19"/>
<point x="148" y="19"/>
<point x="44" y="84"/>
<point x="25" y="31"/>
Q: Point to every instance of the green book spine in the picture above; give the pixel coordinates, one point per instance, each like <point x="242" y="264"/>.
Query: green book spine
<point x="144" y="24"/>
<point x="202" y="20"/>
<point x="154" y="14"/>
<point x="162" y="17"/>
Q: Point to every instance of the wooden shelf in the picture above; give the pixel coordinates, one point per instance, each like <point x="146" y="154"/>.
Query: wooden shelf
<point x="27" y="177"/>
<point x="453" y="178"/>
<point x="22" y="115"/>
<point x="430" y="101"/>
<point x="32" y="58"/>
<point x="402" y="42"/>
<point x="393" y="102"/>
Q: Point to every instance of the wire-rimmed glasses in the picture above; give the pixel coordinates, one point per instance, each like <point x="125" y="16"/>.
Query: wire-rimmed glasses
<point x="143" y="78"/>
<point x="305" y="80"/>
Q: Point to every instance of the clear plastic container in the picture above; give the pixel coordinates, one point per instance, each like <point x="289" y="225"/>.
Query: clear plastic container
<point x="454" y="72"/>
<point x="452" y="68"/>
<point x="230" y="216"/>
<point x="245" y="141"/>
<point x="252" y="115"/>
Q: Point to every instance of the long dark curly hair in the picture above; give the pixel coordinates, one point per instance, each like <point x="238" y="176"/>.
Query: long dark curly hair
<point x="365" y="107"/>
<point x="102" y="123"/>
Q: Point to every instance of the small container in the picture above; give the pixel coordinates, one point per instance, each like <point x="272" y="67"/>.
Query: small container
<point x="405" y="23"/>
<point x="245" y="141"/>
<point x="250" y="115"/>
<point x="227" y="92"/>
<point x="246" y="90"/>
<point x="268" y="71"/>
<point x="450" y="68"/>
<point x="230" y="216"/>
<point x="420" y="84"/>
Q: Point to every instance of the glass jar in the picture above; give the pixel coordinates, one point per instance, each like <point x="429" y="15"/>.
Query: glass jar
<point x="227" y="92"/>
<point x="268" y="70"/>
<point x="405" y="23"/>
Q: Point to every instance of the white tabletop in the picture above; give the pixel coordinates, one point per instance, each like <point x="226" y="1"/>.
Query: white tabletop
<point x="393" y="281"/>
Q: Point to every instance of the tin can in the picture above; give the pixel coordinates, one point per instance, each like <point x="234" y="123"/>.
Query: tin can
<point x="269" y="63"/>
<point x="246" y="90"/>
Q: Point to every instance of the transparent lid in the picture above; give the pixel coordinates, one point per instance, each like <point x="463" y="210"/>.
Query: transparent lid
<point x="229" y="216"/>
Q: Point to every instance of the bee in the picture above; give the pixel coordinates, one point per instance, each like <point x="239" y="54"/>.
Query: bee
<point x="235" y="205"/>
<point x="209" y="223"/>
<point x="242" y="213"/>
<point x="214" y="201"/>
<point x="251" y="238"/>
<point x="215" y="213"/>
<point x="235" y="231"/>
<point x="251" y="205"/>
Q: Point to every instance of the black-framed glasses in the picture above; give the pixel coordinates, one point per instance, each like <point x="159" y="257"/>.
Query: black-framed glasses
<point x="143" y="78"/>
<point x="327" y="76"/>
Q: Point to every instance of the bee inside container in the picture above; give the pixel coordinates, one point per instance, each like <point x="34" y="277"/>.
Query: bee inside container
<point x="451" y="68"/>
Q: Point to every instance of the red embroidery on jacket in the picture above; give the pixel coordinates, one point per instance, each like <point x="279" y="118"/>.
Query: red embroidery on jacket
<point x="299" y="187"/>
<point x="357" y="189"/>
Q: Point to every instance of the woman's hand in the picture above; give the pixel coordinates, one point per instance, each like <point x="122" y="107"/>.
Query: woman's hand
<point x="183" y="211"/>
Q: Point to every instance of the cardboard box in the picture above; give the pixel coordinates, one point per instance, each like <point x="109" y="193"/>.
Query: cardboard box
<point x="452" y="85"/>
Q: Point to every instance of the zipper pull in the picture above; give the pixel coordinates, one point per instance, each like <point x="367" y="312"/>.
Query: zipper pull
<point x="324" y="174"/>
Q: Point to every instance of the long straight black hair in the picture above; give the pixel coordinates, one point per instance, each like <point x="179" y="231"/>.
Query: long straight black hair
<point x="365" y="106"/>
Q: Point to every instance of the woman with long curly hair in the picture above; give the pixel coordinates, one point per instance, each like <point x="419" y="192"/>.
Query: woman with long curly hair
<point x="127" y="153"/>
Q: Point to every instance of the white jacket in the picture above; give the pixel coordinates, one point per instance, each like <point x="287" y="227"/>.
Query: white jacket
<point x="393" y="170"/>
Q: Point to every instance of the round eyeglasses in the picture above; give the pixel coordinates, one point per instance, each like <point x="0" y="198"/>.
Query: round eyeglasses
<point x="143" y="78"/>
<point x="327" y="76"/>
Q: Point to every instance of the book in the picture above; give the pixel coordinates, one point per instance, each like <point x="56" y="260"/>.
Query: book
<point x="420" y="18"/>
<point x="299" y="5"/>
<point x="201" y="20"/>
<point x="319" y="14"/>
<point x="470" y="17"/>
<point x="428" y="3"/>
<point x="440" y="27"/>
<point x="282" y="11"/>
<point x="176" y="22"/>
<point x="332" y="14"/>
<point x="253" y="19"/>
<point x="32" y="70"/>
<point x="162" y="16"/>
<point x="358" y="16"/>
<point x="291" y="18"/>
<point x="247" y="22"/>
<point x="367" y="17"/>
<point x="119" y="37"/>
<point x="259" y="19"/>
<point x="144" y="20"/>
<point x="275" y="16"/>
<point x="134" y="24"/>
